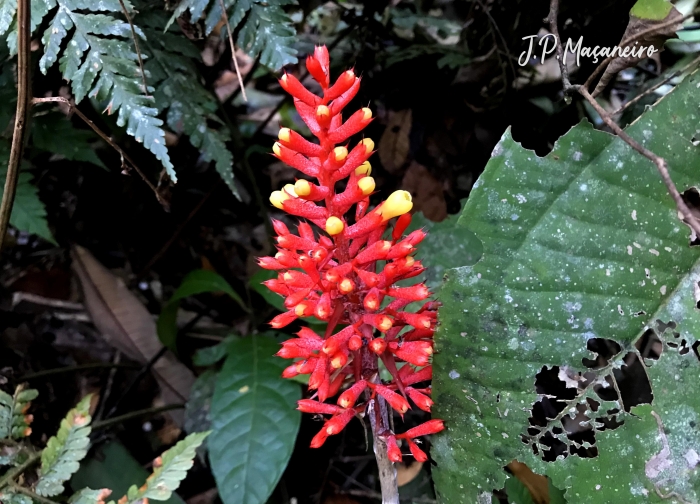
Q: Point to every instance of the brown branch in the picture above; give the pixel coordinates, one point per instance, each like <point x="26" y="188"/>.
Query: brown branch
<point x="136" y="46"/>
<point x="103" y="135"/>
<point x="634" y="38"/>
<point x="656" y="86"/>
<point x="24" y="61"/>
<point x="660" y="162"/>
<point x="554" y="29"/>
<point x="233" y="50"/>
<point x="378" y="415"/>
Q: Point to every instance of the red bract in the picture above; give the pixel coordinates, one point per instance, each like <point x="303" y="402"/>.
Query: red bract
<point x="335" y="273"/>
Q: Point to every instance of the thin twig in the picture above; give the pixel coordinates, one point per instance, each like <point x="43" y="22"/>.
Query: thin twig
<point x="161" y="252"/>
<point x="103" y="135"/>
<point x="656" y="86"/>
<point x="136" y="46"/>
<point x="233" y="50"/>
<point x="497" y="30"/>
<point x="32" y="495"/>
<point x="634" y="38"/>
<point x="387" y="471"/>
<point x="24" y="61"/>
<point x="136" y="414"/>
<point x="554" y="29"/>
<point x="660" y="162"/>
<point x="70" y="369"/>
<point x="10" y="475"/>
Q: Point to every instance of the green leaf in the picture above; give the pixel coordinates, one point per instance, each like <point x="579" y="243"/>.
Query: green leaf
<point x="112" y="466"/>
<point x="264" y="28"/>
<point x="64" y="451"/>
<point x="87" y="496"/>
<point x="173" y="468"/>
<point x="196" y="282"/>
<point x="254" y="422"/>
<point x="191" y="109"/>
<point x="198" y="407"/>
<point x="73" y="144"/>
<point x="28" y="212"/>
<point x="517" y="492"/>
<point x="211" y="355"/>
<point x="448" y="245"/>
<point x="581" y="246"/>
<point x="100" y="62"/>
<point x="655" y="10"/>
<point x="12" y="412"/>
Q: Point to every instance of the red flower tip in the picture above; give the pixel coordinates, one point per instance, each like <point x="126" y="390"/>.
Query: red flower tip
<point x="430" y="427"/>
<point x="417" y="453"/>
<point x="355" y="342"/>
<point x="319" y="439"/>
<point x="393" y="449"/>
<point x="311" y="406"/>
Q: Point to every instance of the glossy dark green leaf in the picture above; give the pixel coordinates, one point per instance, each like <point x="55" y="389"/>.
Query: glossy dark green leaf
<point x="272" y="298"/>
<point x="254" y="422"/>
<point x="72" y="143"/>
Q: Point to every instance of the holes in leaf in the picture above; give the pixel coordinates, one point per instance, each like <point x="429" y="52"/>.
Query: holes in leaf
<point x="650" y="345"/>
<point x="606" y="350"/>
<point x="696" y="349"/>
<point x="633" y="383"/>
<point x="691" y="196"/>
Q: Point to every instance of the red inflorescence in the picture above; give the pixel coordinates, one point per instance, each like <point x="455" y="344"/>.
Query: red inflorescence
<point x="333" y="275"/>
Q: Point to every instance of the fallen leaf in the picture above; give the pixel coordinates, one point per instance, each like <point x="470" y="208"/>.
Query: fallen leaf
<point x="537" y="484"/>
<point x="128" y="326"/>
<point x="407" y="473"/>
<point x="644" y="15"/>
<point x="394" y="143"/>
<point x="427" y="192"/>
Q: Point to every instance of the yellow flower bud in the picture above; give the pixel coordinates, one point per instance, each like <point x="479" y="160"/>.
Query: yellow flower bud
<point x="302" y="187"/>
<point x="369" y="144"/>
<point x="340" y="153"/>
<point x="323" y="112"/>
<point x="366" y="185"/>
<point x="300" y="309"/>
<point x="277" y="197"/>
<point x="410" y="261"/>
<point x="398" y="203"/>
<point x="284" y="134"/>
<point x="334" y="226"/>
<point x="367" y="113"/>
<point x="289" y="189"/>
<point x="276" y="149"/>
<point x="364" y="169"/>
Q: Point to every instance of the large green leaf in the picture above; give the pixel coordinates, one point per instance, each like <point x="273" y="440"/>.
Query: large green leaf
<point x="254" y="422"/>
<point x="581" y="246"/>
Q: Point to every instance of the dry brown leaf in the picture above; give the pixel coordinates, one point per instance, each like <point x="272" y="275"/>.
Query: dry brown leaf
<point x="407" y="473"/>
<point x="128" y="326"/>
<point x="655" y="38"/>
<point x="427" y="192"/>
<point x="394" y="143"/>
<point x="537" y="484"/>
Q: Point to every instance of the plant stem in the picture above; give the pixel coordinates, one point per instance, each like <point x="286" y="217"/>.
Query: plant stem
<point x="69" y="369"/>
<point x="136" y="414"/>
<point x="10" y="476"/>
<point x="35" y="497"/>
<point x="21" y="115"/>
<point x="387" y="471"/>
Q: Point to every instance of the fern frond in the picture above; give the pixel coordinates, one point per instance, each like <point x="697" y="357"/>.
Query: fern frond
<point x="264" y="28"/>
<point x="13" y="421"/>
<point x="191" y="109"/>
<point x="64" y="451"/>
<point x="10" y="497"/>
<point x="89" y="496"/>
<point x="98" y="60"/>
<point x="170" y="469"/>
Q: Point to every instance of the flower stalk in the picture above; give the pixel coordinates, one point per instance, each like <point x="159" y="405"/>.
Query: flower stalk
<point x="344" y="272"/>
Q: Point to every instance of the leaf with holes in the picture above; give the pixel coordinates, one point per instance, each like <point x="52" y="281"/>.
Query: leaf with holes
<point x="569" y="345"/>
<point x="254" y="421"/>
